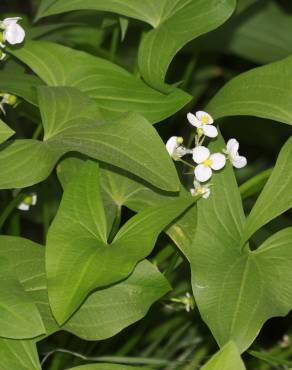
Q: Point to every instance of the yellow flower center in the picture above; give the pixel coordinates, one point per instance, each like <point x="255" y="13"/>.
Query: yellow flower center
<point x="200" y="190"/>
<point x="179" y="140"/>
<point x="205" y="120"/>
<point x="208" y="162"/>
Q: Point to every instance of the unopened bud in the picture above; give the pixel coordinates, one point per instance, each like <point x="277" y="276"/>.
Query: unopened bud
<point x="180" y="140"/>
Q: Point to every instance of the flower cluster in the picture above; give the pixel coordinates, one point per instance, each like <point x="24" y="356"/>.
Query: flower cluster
<point x="27" y="202"/>
<point x="11" y="32"/>
<point x="205" y="162"/>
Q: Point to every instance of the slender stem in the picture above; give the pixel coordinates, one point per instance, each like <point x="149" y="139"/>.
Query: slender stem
<point x="186" y="163"/>
<point x="114" y="44"/>
<point x="10" y="208"/>
<point x="45" y="213"/>
<point x="37" y="131"/>
<point x="116" y="224"/>
<point x="188" y="73"/>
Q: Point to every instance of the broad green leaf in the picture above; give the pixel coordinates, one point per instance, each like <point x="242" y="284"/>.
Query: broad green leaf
<point x="149" y="11"/>
<point x="189" y="20"/>
<point x="125" y="302"/>
<point x="5" y="132"/>
<point x="78" y="256"/>
<point x="228" y="358"/>
<point x="262" y="92"/>
<point x="18" y="355"/>
<point x="223" y="272"/>
<point x="108" y="367"/>
<point x="20" y="317"/>
<point x="72" y="123"/>
<point x="114" y="89"/>
<point x="14" y="80"/>
<point x="120" y="188"/>
<point x="258" y="31"/>
<point x="254" y="185"/>
<point x="108" y="311"/>
<point x="276" y="197"/>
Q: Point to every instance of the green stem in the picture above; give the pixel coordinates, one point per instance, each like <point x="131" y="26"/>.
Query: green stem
<point x="188" y="73"/>
<point x="186" y="163"/>
<point x="37" y="131"/>
<point x="197" y="358"/>
<point x="114" y="44"/>
<point x="45" y="213"/>
<point x="10" y="208"/>
<point x="116" y="224"/>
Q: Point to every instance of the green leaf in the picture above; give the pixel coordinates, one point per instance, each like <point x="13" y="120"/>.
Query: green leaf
<point x="259" y="32"/>
<point x="262" y="92"/>
<point x="20" y="317"/>
<point x="254" y="185"/>
<point x="108" y="367"/>
<point x="5" y="132"/>
<point x="188" y="20"/>
<point x="228" y="358"/>
<point x="14" y="80"/>
<point x="223" y="272"/>
<point x="149" y="11"/>
<point x="120" y="188"/>
<point x="71" y="123"/>
<point x="18" y="355"/>
<point x="114" y="89"/>
<point x="74" y="271"/>
<point x="276" y="197"/>
<point x="119" y="305"/>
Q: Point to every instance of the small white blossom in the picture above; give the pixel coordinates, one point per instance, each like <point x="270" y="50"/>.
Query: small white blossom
<point x="175" y="148"/>
<point x="199" y="189"/>
<point x="206" y="163"/>
<point x="28" y="201"/>
<point x="204" y="123"/>
<point x="187" y="300"/>
<point x="12" y="31"/>
<point x="237" y="160"/>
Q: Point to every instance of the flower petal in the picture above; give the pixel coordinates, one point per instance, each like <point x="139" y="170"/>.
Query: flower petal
<point x="200" y="154"/>
<point x="239" y="161"/>
<point x="34" y="199"/>
<point x="14" y="34"/>
<point x="203" y="173"/>
<point x="210" y="130"/>
<point x="23" y="206"/>
<point x="201" y="115"/>
<point x="232" y="147"/>
<point x="207" y="193"/>
<point x="193" y="120"/>
<point x="171" y="145"/>
<point x="218" y="161"/>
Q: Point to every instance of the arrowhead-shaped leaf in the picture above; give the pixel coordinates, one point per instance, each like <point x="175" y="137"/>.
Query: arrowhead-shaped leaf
<point x="120" y="188"/>
<point x="72" y="123"/>
<point x="228" y="358"/>
<point x="108" y="311"/>
<point x="261" y="92"/>
<point x="115" y="90"/>
<point x="256" y="284"/>
<point x="276" y="197"/>
<point x="188" y="20"/>
<point x="78" y="256"/>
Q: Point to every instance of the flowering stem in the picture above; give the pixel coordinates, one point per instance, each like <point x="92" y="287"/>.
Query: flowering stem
<point x="114" y="44"/>
<point x="186" y="163"/>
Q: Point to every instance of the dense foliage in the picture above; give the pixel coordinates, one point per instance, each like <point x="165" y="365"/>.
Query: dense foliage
<point x="136" y="232"/>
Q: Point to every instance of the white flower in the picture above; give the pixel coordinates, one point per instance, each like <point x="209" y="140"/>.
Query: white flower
<point x="12" y="31"/>
<point x="199" y="189"/>
<point x="204" y="123"/>
<point x="9" y="100"/>
<point x="207" y="162"/>
<point x="237" y="160"/>
<point x="28" y="201"/>
<point x="175" y="149"/>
